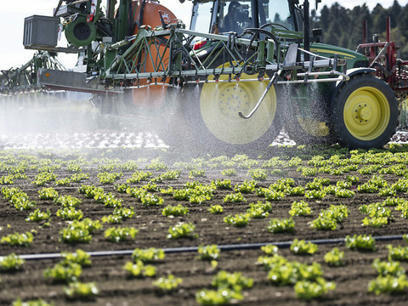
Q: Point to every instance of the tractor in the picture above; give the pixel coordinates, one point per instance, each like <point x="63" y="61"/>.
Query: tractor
<point x="243" y="71"/>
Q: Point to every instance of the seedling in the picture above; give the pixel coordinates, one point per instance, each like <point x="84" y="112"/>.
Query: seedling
<point x="11" y="263"/>
<point x="168" y="283"/>
<point x="239" y="220"/>
<point x="281" y="225"/>
<point x="118" y="234"/>
<point x="81" y="291"/>
<point x="182" y="230"/>
<point x="301" y="247"/>
<point x="334" y="258"/>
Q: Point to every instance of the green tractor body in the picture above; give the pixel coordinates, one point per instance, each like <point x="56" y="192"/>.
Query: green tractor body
<point x="244" y="70"/>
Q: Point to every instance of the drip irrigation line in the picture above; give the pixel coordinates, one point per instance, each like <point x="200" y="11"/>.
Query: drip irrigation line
<point x="222" y="247"/>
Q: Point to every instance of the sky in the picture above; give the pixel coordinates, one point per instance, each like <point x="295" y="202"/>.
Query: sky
<point x="12" y="14"/>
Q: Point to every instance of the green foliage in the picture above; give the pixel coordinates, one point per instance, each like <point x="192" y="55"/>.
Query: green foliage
<point x="229" y="172"/>
<point x="307" y="290"/>
<point x="139" y="269"/>
<point x="148" y="255"/>
<point x="109" y="177"/>
<point x="344" y="193"/>
<point x="209" y="252"/>
<point x="47" y="193"/>
<point x="234" y="198"/>
<point x="178" y="210"/>
<point x="170" y="175"/>
<point x="43" y="178"/>
<point x="223" y="184"/>
<point x="17" y="239"/>
<point x="156" y="164"/>
<point x="246" y="187"/>
<point x="216" y="209"/>
<point x="67" y="201"/>
<point x="301" y="247"/>
<point x="259" y="210"/>
<point x="69" y="213"/>
<point x="399" y="253"/>
<point x="270" y="249"/>
<point x="196" y="173"/>
<point x="182" y="230"/>
<point x="6" y="180"/>
<point x="385" y="268"/>
<point x="168" y="283"/>
<point x="38" y="215"/>
<point x="64" y="272"/>
<point x="220" y="296"/>
<point x="353" y="179"/>
<point x="139" y="176"/>
<point x="80" y="231"/>
<point x="90" y="191"/>
<point x="283" y="272"/>
<point x="388" y="284"/>
<point x="150" y="199"/>
<point x="118" y="234"/>
<point x="81" y="291"/>
<point x="300" y="208"/>
<point x="11" y="263"/>
<point x="38" y="302"/>
<point x="235" y="281"/>
<point x="334" y="258"/>
<point x="328" y="219"/>
<point x="360" y="242"/>
<point x="258" y="174"/>
<point x="281" y="225"/>
<point x="238" y="220"/>
<point x="315" y="194"/>
<point x="80" y="257"/>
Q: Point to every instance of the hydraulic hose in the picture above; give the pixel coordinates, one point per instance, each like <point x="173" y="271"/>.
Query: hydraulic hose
<point x="222" y="247"/>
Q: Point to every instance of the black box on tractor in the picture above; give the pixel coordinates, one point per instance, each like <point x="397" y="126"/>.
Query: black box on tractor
<point x="40" y="31"/>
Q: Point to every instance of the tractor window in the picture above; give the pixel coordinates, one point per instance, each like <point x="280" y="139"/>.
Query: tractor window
<point x="234" y="16"/>
<point x="201" y="19"/>
<point x="276" y="11"/>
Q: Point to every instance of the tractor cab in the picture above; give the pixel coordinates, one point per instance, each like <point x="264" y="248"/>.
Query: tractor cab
<point x="223" y="16"/>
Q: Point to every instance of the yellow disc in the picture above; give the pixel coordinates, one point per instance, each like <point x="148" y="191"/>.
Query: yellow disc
<point x="366" y="113"/>
<point x="221" y="102"/>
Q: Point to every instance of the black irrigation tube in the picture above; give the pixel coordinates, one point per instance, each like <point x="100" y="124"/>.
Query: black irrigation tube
<point x="223" y="247"/>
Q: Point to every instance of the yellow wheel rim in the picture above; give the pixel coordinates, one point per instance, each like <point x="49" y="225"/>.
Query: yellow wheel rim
<point x="221" y="102"/>
<point x="313" y="127"/>
<point x="366" y="113"/>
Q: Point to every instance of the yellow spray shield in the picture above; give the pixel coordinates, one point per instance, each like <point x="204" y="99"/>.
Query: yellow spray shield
<point x="221" y="102"/>
<point x="366" y="113"/>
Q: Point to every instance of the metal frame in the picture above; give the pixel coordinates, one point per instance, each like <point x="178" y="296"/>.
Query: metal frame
<point x="264" y="57"/>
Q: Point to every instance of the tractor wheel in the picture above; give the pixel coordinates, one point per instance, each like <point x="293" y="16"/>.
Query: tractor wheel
<point x="364" y="112"/>
<point x="306" y="114"/>
<point x="206" y="118"/>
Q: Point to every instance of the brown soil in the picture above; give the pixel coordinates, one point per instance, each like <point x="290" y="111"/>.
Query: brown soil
<point x="116" y="289"/>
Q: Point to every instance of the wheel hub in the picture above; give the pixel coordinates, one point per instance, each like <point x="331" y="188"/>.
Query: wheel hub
<point x="366" y="113"/>
<point x="363" y="113"/>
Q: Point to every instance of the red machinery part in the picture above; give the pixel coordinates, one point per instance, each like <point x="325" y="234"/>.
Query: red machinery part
<point x="393" y="71"/>
<point x="152" y="15"/>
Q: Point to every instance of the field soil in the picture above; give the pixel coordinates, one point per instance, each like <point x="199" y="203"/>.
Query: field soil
<point x="116" y="288"/>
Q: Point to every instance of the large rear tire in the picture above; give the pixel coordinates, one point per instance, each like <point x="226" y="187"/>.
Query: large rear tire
<point x="364" y="112"/>
<point x="205" y="118"/>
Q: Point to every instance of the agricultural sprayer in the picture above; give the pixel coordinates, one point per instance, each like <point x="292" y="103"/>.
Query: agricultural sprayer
<point x="243" y="70"/>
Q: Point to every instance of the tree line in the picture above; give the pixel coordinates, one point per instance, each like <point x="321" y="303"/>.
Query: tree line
<point x="344" y="27"/>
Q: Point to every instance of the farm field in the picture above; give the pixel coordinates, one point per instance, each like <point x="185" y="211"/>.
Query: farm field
<point x="70" y="200"/>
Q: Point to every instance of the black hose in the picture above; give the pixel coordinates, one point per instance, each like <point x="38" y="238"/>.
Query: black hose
<point x="222" y="247"/>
